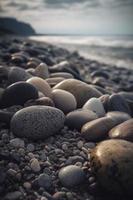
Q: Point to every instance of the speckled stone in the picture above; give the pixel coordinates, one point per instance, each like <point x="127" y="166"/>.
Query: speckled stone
<point x="76" y="119"/>
<point x="16" y="74"/>
<point x="82" y="91"/>
<point x="112" y="164"/>
<point x="97" y="129"/>
<point x="123" y="131"/>
<point x="41" y="85"/>
<point x="17" y="94"/>
<point x="37" y="122"/>
<point x="71" y="176"/>
<point x="64" y="100"/>
<point x="95" y="105"/>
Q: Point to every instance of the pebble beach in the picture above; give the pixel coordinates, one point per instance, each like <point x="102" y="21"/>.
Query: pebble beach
<point x="66" y="126"/>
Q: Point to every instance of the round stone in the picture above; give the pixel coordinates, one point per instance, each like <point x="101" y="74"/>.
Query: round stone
<point x="112" y="163"/>
<point x="64" y="100"/>
<point x="71" y="176"/>
<point x="82" y="91"/>
<point x="42" y="71"/>
<point x="41" y="85"/>
<point x="118" y="103"/>
<point x="97" y="129"/>
<point x="16" y="74"/>
<point x="17" y="142"/>
<point x="44" y="181"/>
<point x="77" y="118"/>
<point x="17" y="94"/>
<point x="96" y="106"/>
<point x="123" y="131"/>
<point x="37" y="122"/>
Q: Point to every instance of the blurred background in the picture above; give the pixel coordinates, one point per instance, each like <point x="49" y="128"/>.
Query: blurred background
<point x="98" y="29"/>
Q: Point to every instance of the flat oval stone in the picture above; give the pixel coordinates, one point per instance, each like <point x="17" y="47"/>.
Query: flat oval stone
<point x="123" y="131"/>
<point x="71" y="176"/>
<point x="118" y="117"/>
<point x="16" y="74"/>
<point x="82" y="91"/>
<point x="77" y="118"/>
<point x="97" y="129"/>
<point x="41" y="85"/>
<point x="17" y="94"/>
<point x="37" y="122"/>
<point x="64" y="100"/>
<point x="118" y="103"/>
<point x="95" y="105"/>
<point x="44" y="101"/>
<point x="112" y="163"/>
<point x="54" y="80"/>
<point x="61" y="74"/>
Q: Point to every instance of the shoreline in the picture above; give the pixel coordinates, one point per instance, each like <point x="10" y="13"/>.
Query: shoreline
<point x="30" y="169"/>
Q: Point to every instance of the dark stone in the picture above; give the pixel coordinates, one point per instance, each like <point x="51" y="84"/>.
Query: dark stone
<point x="17" y="94"/>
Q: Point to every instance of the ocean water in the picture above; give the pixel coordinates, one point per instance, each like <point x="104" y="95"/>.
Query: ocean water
<point x="114" y="50"/>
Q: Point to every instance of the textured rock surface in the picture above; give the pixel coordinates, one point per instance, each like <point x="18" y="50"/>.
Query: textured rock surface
<point x="37" y="122"/>
<point x="112" y="164"/>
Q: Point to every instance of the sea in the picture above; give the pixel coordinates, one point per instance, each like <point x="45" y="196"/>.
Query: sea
<point x="112" y="50"/>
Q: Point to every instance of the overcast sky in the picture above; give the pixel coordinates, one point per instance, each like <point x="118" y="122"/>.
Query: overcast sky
<point x="73" y="16"/>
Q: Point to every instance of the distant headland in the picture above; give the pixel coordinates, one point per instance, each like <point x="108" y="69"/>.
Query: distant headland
<point x="10" y="25"/>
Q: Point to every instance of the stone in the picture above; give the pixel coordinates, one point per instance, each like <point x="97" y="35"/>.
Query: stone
<point x="61" y="74"/>
<point x="100" y="73"/>
<point x="13" y="195"/>
<point x="37" y="122"/>
<point x="5" y="116"/>
<point x="105" y="99"/>
<point x="30" y="147"/>
<point x="71" y="176"/>
<point x="16" y="74"/>
<point x="118" y="103"/>
<point x="17" y="142"/>
<point x="54" y="81"/>
<point x="41" y="85"/>
<point x="123" y="131"/>
<point x="112" y="163"/>
<point x="45" y="181"/>
<point x="96" y="106"/>
<point x="44" y="101"/>
<point x="42" y="71"/>
<point x="64" y="100"/>
<point x="77" y="118"/>
<point x="97" y="129"/>
<point x="17" y="94"/>
<point x="118" y="117"/>
<point x="82" y="91"/>
<point x="35" y="166"/>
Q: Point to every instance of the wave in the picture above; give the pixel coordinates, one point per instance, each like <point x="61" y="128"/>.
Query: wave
<point x="91" y="41"/>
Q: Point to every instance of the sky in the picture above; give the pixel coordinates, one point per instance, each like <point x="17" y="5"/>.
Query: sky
<point x="91" y="17"/>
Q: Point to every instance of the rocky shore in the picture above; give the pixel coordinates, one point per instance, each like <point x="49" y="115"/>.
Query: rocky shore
<point x="66" y="127"/>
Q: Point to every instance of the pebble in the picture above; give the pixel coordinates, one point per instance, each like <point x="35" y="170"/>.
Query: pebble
<point x="35" y="166"/>
<point x="27" y="185"/>
<point x="44" y="101"/>
<point x="123" y="131"/>
<point x="30" y="147"/>
<point x="80" y="144"/>
<point x="17" y="143"/>
<point x="54" y="81"/>
<point x="13" y="195"/>
<point x="119" y="117"/>
<point x="112" y="164"/>
<point x="79" y="89"/>
<point x="71" y="176"/>
<point x="64" y="100"/>
<point x="42" y="71"/>
<point x="41" y="85"/>
<point x="16" y="74"/>
<point x="96" y="106"/>
<point x="17" y="94"/>
<point x="76" y="119"/>
<point x="44" y="181"/>
<point x="37" y="122"/>
<point x="97" y="129"/>
<point x="61" y="74"/>
<point x="118" y="103"/>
